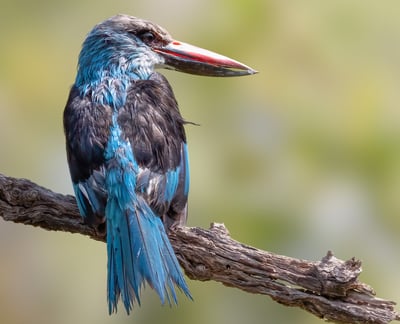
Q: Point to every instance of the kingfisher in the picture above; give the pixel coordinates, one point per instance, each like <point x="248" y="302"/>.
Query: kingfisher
<point x="127" y="151"/>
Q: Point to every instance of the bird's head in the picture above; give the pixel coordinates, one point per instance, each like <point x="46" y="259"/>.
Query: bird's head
<point x="125" y="46"/>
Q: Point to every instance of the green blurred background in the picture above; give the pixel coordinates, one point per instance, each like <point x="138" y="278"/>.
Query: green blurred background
<point x="302" y="158"/>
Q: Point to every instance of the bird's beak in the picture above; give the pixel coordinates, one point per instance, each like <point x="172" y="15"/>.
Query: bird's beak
<point x="191" y="59"/>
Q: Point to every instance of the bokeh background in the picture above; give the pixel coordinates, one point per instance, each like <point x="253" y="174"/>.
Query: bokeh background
<point x="302" y="158"/>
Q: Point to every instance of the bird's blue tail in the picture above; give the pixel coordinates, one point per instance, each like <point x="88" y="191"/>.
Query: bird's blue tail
<point x="138" y="247"/>
<point x="139" y="251"/>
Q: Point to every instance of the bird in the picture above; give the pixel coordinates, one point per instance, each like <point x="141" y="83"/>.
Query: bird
<point x="127" y="150"/>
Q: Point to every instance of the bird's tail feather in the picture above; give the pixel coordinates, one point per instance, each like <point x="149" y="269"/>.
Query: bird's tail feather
<point x="139" y="251"/>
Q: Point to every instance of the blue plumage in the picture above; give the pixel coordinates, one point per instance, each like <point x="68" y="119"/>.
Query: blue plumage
<point x="137" y="244"/>
<point x="127" y="151"/>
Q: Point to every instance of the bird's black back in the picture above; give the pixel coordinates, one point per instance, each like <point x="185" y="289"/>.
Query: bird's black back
<point x="150" y="121"/>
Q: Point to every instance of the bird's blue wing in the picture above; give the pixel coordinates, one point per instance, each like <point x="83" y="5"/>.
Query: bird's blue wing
<point x="151" y="122"/>
<point x="86" y="127"/>
<point x="91" y="196"/>
<point x="167" y="192"/>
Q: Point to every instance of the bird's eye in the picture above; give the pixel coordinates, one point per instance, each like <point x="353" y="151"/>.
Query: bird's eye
<point x="147" y="37"/>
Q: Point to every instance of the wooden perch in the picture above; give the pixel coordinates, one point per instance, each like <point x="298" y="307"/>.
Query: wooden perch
<point x="329" y="288"/>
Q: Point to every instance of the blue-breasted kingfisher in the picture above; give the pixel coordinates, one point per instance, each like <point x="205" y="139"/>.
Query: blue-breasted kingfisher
<point x="127" y="151"/>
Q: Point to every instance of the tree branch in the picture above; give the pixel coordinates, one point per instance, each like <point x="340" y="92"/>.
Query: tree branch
<point x="329" y="288"/>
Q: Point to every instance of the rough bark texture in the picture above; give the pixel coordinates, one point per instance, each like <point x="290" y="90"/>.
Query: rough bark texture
<point x="329" y="288"/>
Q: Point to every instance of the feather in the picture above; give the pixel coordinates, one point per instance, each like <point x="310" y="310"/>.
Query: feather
<point x="127" y="154"/>
<point x="138" y="247"/>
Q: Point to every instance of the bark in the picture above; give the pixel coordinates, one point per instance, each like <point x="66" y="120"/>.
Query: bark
<point x="328" y="288"/>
